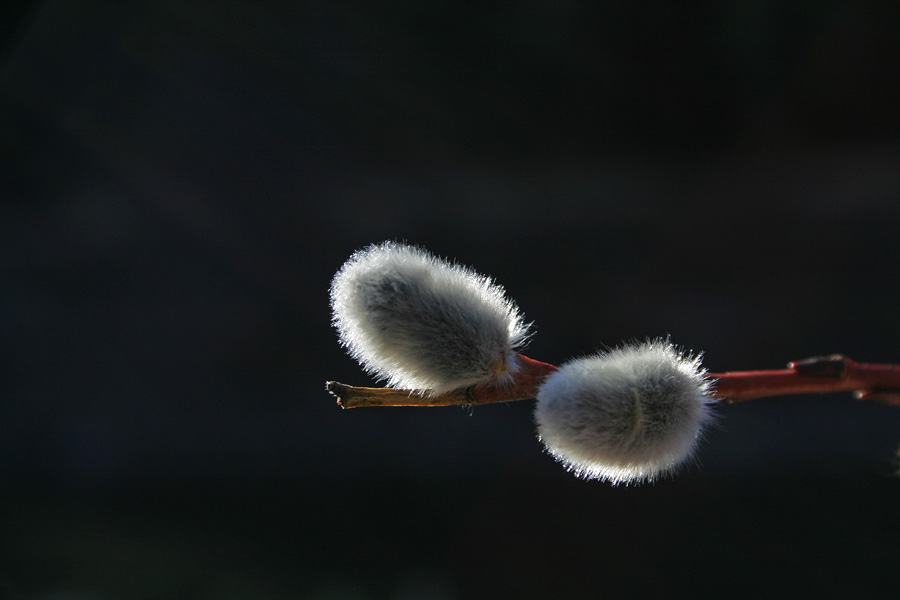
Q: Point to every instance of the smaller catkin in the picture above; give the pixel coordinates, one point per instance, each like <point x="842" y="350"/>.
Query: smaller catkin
<point x="629" y="415"/>
<point x="422" y="323"/>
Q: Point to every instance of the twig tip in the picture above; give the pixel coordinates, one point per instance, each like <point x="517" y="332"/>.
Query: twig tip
<point x="337" y="390"/>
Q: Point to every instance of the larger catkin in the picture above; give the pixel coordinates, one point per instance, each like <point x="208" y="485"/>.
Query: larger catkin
<point x="421" y="323"/>
<point x="629" y="415"/>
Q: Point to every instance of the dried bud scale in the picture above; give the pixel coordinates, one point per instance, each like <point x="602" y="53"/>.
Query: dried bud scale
<point x="422" y="323"/>
<point x="628" y="415"/>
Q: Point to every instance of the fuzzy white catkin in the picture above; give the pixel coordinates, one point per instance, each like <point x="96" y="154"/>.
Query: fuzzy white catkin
<point x="422" y="323"/>
<point x="629" y="415"/>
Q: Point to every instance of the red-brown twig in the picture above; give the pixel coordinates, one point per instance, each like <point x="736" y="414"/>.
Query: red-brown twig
<point x="824" y="374"/>
<point x="523" y="386"/>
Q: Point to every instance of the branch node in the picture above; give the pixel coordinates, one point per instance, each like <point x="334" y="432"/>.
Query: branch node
<point x="833" y="366"/>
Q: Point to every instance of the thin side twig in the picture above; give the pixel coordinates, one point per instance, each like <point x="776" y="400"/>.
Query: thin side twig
<point x="524" y="384"/>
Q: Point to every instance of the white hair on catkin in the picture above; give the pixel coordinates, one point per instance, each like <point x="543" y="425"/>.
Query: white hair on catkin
<point x="628" y="415"/>
<point x="422" y="323"/>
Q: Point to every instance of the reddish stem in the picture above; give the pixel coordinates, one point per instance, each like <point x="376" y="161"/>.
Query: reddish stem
<point x="875" y="382"/>
<point x="530" y="375"/>
<point x="823" y="374"/>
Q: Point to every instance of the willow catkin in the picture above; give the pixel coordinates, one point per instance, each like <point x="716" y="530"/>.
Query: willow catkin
<point x="629" y="415"/>
<point x="422" y="323"/>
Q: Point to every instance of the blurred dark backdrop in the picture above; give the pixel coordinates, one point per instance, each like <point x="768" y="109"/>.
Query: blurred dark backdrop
<point x="181" y="179"/>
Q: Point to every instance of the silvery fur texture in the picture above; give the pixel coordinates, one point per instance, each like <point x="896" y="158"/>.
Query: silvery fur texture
<point x="629" y="415"/>
<point x="422" y="323"/>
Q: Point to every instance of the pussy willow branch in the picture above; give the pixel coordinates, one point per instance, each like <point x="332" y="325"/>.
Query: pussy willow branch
<point x="823" y="374"/>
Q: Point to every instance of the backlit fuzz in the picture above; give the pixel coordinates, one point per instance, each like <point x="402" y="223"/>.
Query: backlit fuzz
<point x="423" y="323"/>
<point x="629" y="415"/>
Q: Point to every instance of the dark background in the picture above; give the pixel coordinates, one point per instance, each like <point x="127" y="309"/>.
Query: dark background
<point x="181" y="179"/>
